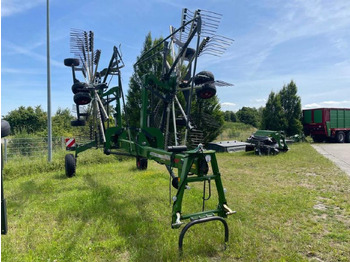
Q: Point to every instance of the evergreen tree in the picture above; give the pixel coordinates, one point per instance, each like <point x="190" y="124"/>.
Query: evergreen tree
<point x="291" y="104"/>
<point x="208" y="117"/>
<point x="205" y="114"/>
<point x="152" y="65"/>
<point x="273" y="117"/>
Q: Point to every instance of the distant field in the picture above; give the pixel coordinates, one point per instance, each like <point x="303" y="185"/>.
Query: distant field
<point x="236" y="131"/>
<point x="290" y="207"/>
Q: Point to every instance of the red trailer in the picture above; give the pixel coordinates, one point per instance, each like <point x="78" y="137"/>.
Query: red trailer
<point x="327" y="124"/>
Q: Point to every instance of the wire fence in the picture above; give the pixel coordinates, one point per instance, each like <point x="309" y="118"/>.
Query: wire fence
<point x="34" y="147"/>
<point x="29" y="147"/>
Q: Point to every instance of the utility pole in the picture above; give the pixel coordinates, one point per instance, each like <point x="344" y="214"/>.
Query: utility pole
<point x="49" y="124"/>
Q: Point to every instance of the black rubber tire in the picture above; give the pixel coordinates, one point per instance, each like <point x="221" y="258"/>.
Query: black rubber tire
<point x="71" y="62"/>
<point x="318" y="139"/>
<point x="5" y="128"/>
<point x="207" y="91"/>
<point x="79" y="87"/>
<point x="203" y="77"/>
<point x="82" y="98"/>
<point x="175" y="182"/>
<point x="340" y="137"/>
<point x="347" y="137"/>
<point x="190" y="52"/>
<point x="77" y="122"/>
<point x="70" y="164"/>
<point x="141" y="163"/>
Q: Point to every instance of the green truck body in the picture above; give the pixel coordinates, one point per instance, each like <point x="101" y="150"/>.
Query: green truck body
<point x="327" y="124"/>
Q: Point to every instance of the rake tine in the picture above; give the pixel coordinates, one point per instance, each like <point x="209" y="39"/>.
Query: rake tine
<point x="210" y="12"/>
<point x="91" y="48"/>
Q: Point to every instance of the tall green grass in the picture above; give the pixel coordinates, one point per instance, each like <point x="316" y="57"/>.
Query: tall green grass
<point x="290" y="207"/>
<point x="235" y="131"/>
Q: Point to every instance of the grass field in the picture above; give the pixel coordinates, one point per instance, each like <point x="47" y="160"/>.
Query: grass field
<point x="290" y="207"/>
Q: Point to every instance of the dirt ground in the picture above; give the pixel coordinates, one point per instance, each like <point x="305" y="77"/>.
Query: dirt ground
<point x="338" y="153"/>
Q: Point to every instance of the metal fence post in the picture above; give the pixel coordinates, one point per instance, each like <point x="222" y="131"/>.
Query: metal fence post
<point x="62" y="142"/>
<point x="5" y="150"/>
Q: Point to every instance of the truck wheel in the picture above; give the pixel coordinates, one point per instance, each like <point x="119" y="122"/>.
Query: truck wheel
<point x="340" y="137"/>
<point x="318" y="139"/>
<point x="347" y="137"/>
<point x="70" y="164"/>
<point x="141" y="163"/>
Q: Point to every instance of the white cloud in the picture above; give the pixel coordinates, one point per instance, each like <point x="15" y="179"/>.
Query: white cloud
<point x="344" y="103"/>
<point x="260" y="100"/>
<point x="12" y="7"/>
<point x="19" y="50"/>
<point x="228" y="104"/>
<point x="22" y="71"/>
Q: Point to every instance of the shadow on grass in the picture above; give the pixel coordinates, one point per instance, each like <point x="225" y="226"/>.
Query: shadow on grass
<point x="137" y="224"/>
<point x="134" y="221"/>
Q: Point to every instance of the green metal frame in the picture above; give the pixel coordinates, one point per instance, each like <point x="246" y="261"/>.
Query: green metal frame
<point x="149" y="142"/>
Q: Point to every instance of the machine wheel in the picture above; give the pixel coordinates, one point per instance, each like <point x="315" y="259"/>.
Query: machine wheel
<point x="70" y="165"/>
<point x="77" y="122"/>
<point x="207" y="91"/>
<point x="141" y="163"/>
<point x="79" y="87"/>
<point x="190" y="52"/>
<point x="71" y="62"/>
<point x="203" y="77"/>
<point x="82" y="98"/>
<point x="340" y="137"/>
<point x="318" y="139"/>
<point x="347" y="137"/>
<point x="5" y="128"/>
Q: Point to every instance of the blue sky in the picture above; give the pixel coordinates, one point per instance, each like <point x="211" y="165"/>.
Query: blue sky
<point x="276" y="41"/>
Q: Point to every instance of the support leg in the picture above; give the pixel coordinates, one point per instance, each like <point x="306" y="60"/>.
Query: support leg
<point x="199" y="221"/>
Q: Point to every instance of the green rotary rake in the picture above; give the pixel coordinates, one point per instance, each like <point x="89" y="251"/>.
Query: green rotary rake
<point x="168" y="133"/>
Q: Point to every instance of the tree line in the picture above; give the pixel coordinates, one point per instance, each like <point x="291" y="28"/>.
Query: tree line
<point x="281" y="112"/>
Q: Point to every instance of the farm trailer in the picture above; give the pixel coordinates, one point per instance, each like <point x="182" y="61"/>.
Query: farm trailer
<point x="327" y="124"/>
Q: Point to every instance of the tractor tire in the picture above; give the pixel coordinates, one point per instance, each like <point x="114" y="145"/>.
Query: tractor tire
<point x="340" y="137"/>
<point x="203" y="77"/>
<point x="71" y="62"/>
<point x="207" y="91"/>
<point x="70" y="164"/>
<point x="141" y="163"/>
<point x="82" y="98"/>
<point x="79" y="87"/>
<point x="347" y="137"/>
<point x="5" y="128"/>
<point x="77" y="122"/>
